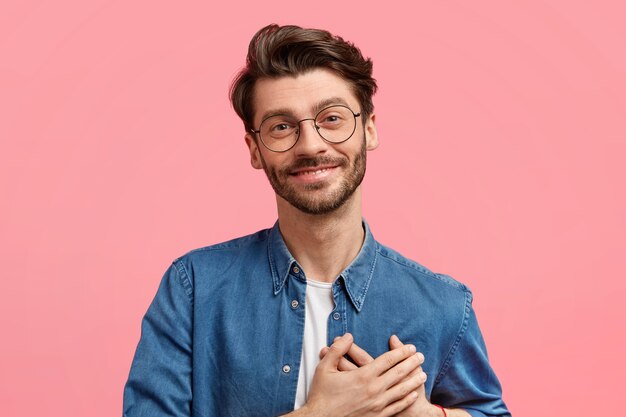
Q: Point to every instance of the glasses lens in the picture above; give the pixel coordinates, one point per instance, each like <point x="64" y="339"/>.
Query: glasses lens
<point x="279" y="133"/>
<point x="336" y="123"/>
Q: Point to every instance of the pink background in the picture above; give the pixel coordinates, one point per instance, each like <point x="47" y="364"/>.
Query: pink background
<point x="502" y="130"/>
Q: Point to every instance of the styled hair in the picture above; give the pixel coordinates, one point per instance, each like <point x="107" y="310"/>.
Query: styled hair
<point x="278" y="51"/>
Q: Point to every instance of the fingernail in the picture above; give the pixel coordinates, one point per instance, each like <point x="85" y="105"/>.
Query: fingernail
<point x="423" y="376"/>
<point x="412" y="348"/>
<point x="420" y="355"/>
<point x="414" y="395"/>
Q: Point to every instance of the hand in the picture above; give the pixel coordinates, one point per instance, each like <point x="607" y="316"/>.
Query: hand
<point x="419" y="408"/>
<point x="383" y="387"/>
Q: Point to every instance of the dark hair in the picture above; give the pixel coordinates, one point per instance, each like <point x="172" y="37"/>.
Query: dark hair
<point x="277" y="51"/>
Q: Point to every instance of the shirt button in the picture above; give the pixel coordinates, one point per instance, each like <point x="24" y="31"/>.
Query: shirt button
<point x="286" y="369"/>
<point x="336" y="316"/>
<point x="294" y="304"/>
<point x="296" y="270"/>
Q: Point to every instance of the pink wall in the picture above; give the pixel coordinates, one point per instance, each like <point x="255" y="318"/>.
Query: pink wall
<point x="502" y="134"/>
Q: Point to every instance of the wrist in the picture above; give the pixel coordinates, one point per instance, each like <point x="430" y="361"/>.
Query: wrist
<point x="310" y="410"/>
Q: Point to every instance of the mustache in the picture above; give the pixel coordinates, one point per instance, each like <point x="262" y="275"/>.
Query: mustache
<point x="315" y="162"/>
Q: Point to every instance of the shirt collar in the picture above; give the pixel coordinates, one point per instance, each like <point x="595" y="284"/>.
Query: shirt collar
<point x="356" y="277"/>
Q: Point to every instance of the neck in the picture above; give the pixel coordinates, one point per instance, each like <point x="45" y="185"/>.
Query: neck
<point x="324" y="245"/>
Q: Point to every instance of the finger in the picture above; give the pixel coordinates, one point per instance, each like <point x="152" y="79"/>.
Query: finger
<point x="344" y="364"/>
<point x="400" y="371"/>
<point x="421" y="390"/>
<point x="323" y="352"/>
<point x="402" y="404"/>
<point x="359" y="355"/>
<point x="389" y="359"/>
<point x="336" y="351"/>
<point x="414" y="372"/>
<point x="395" y="343"/>
<point x="404" y="388"/>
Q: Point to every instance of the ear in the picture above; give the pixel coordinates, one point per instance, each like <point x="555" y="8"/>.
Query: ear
<point x="371" y="135"/>
<point x="255" y="153"/>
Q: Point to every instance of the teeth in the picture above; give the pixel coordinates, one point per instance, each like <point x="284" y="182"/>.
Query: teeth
<point x="319" y="171"/>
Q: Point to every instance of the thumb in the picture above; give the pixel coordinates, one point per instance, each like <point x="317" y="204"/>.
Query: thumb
<point x="340" y="347"/>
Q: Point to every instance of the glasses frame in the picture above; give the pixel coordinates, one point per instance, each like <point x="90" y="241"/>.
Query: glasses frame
<point x="317" y="128"/>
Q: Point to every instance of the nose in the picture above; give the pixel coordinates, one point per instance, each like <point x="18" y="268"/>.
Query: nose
<point x="310" y="142"/>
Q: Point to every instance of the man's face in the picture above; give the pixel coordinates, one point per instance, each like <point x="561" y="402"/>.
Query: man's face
<point x="315" y="176"/>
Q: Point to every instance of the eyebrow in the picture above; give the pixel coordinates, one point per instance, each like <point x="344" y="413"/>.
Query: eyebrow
<point x="315" y="109"/>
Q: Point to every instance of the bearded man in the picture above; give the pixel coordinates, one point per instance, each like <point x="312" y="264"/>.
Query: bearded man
<point x="312" y="317"/>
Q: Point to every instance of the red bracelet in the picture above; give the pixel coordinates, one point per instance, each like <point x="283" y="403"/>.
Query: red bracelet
<point x="442" y="409"/>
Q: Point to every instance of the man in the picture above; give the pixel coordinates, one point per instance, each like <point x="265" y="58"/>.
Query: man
<point x="242" y="328"/>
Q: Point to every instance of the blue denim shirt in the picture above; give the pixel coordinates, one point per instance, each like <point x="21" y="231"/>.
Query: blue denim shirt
<point x="223" y="336"/>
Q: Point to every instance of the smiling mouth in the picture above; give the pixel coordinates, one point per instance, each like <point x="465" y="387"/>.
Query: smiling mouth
<point x="312" y="172"/>
<point x="314" y="175"/>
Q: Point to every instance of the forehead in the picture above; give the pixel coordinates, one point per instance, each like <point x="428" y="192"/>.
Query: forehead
<point x="301" y="94"/>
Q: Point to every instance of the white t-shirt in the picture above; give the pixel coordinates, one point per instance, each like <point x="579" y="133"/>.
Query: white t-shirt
<point x="319" y="304"/>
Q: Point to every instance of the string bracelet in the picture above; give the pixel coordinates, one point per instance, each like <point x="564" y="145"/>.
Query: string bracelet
<point x="442" y="409"/>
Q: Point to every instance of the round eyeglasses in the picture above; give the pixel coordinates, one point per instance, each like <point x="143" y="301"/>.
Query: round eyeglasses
<point x="280" y="132"/>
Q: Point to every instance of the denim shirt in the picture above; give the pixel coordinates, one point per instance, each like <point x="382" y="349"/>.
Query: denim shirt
<point x="223" y="335"/>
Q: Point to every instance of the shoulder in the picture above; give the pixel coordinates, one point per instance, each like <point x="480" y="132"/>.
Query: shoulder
<point x="237" y="244"/>
<point x="219" y="257"/>
<point x="409" y="270"/>
<point x="443" y="303"/>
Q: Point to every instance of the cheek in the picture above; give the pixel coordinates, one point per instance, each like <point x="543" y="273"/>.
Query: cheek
<point x="353" y="149"/>
<point x="270" y="161"/>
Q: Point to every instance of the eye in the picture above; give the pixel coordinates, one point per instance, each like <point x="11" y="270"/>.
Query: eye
<point x="281" y="127"/>
<point x="331" y="119"/>
<point x="278" y="127"/>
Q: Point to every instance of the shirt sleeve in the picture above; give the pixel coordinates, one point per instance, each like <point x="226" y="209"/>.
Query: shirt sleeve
<point x="467" y="380"/>
<point x="159" y="383"/>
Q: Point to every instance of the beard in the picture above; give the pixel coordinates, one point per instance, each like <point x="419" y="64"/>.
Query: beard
<point x="328" y="202"/>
